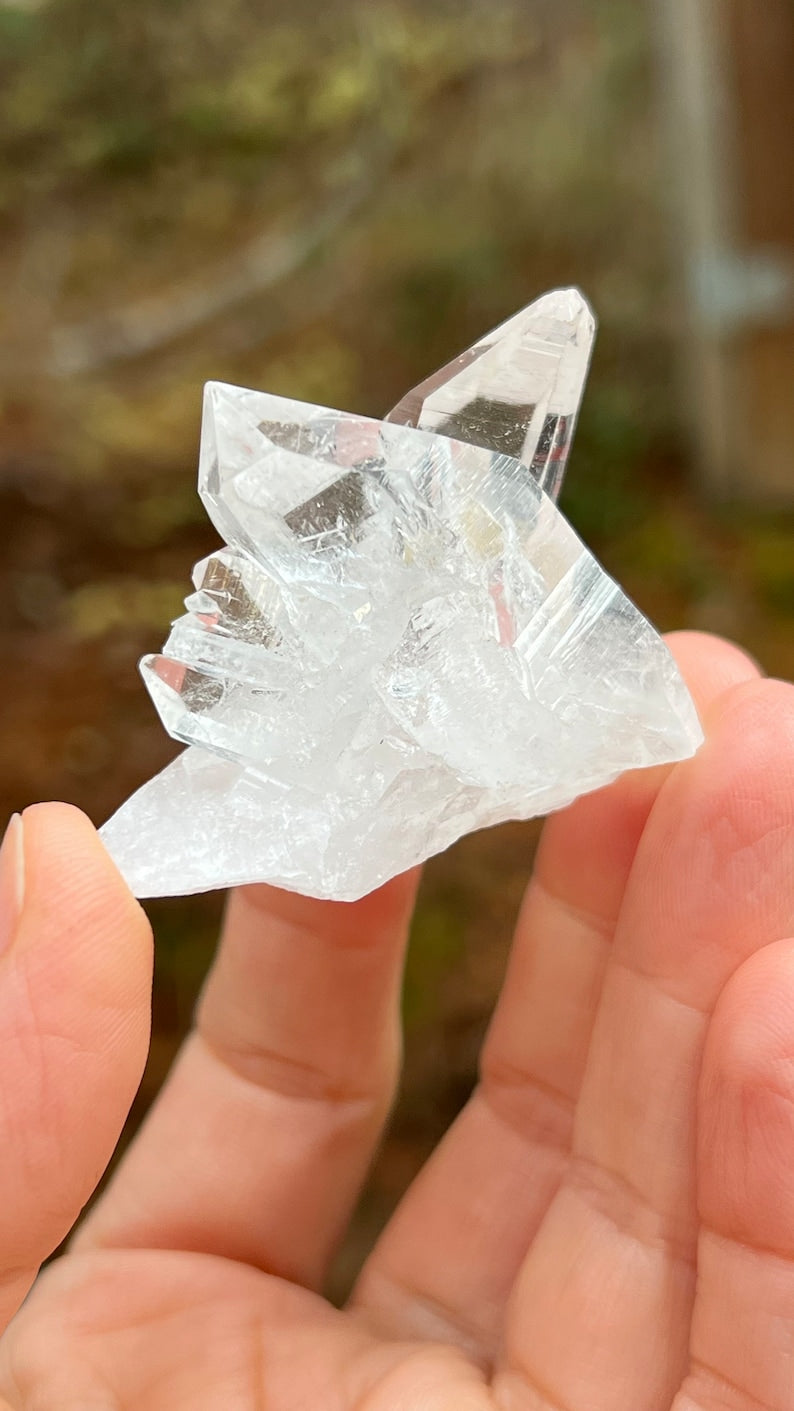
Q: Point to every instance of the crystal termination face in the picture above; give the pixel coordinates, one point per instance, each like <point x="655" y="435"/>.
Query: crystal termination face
<point x="402" y="638"/>
<point x="518" y="390"/>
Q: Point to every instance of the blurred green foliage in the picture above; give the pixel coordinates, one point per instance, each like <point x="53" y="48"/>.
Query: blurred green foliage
<point x="97" y="608"/>
<point x="770" y="560"/>
<point x="438" y="944"/>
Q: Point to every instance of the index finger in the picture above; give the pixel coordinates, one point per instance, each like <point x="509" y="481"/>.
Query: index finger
<point x="258" y="1144"/>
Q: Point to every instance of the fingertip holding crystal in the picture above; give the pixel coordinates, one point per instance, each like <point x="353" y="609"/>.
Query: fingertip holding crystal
<point x="403" y="639"/>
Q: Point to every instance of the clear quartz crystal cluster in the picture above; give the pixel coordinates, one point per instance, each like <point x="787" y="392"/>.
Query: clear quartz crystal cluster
<point x="402" y="640"/>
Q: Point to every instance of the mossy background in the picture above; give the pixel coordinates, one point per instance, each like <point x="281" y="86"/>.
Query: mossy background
<point x="325" y="201"/>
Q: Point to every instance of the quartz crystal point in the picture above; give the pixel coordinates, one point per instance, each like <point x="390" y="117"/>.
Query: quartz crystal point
<point x="402" y="638"/>
<point x="518" y="390"/>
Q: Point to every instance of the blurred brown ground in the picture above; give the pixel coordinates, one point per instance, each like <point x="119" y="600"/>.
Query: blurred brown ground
<point x="326" y="202"/>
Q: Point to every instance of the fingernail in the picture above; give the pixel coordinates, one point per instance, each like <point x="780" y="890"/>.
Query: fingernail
<point x="12" y="881"/>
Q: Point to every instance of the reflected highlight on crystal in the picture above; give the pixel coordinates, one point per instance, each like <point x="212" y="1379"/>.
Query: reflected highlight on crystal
<point x="402" y="639"/>
<point x="518" y="390"/>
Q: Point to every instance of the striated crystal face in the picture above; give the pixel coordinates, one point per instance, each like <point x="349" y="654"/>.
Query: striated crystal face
<point x="518" y="390"/>
<point x="402" y="640"/>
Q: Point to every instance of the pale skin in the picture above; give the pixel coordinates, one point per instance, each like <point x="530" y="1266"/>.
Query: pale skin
<point x="609" y="1225"/>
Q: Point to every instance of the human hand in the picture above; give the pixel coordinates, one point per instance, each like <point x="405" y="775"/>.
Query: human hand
<point x="608" y="1226"/>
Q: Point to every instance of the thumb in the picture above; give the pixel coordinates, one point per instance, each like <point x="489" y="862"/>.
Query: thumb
<point x="75" y="982"/>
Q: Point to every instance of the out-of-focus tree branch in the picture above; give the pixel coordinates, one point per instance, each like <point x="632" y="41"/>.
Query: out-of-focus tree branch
<point x="151" y="323"/>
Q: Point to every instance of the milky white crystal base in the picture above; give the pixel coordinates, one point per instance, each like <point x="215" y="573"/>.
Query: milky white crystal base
<point x="415" y="644"/>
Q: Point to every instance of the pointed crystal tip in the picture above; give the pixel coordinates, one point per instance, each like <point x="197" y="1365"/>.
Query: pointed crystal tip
<point x="518" y="390"/>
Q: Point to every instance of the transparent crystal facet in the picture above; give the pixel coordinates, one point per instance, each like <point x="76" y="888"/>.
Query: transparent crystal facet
<point x="518" y="390"/>
<point x="402" y="640"/>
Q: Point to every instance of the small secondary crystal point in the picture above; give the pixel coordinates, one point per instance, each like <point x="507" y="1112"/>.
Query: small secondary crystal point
<point x="518" y="390"/>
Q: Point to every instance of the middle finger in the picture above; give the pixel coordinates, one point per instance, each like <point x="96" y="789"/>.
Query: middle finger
<point x="447" y="1261"/>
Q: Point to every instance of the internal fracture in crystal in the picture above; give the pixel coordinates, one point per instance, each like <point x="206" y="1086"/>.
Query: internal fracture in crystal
<point x="402" y="638"/>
